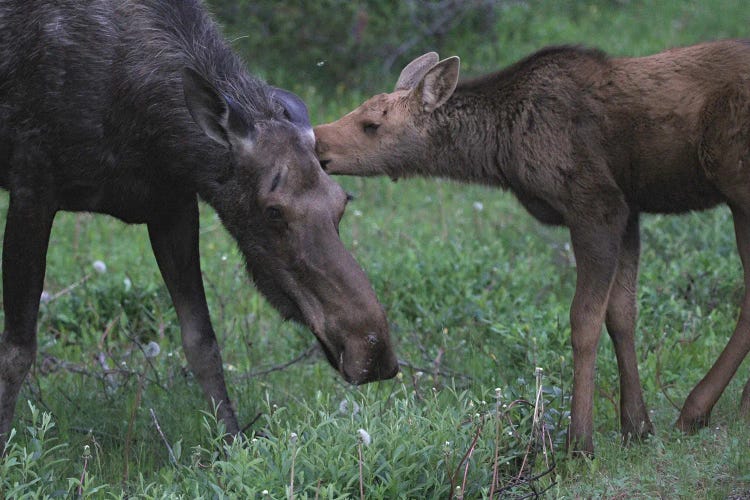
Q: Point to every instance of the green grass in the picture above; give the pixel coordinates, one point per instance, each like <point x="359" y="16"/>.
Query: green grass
<point x="477" y="299"/>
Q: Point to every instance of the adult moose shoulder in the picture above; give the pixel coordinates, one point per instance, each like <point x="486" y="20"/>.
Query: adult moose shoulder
<point x="588" y="142"/>
<point x="135" y="109"/>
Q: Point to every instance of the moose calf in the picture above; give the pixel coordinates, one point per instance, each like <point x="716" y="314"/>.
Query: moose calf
<point x="589" y="142"/>
<point x="135" y="109"/>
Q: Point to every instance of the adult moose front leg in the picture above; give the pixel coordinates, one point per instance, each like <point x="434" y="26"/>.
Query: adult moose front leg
<point x="27" y="232"/>
<point x="622" y="312"/>
<point x="596" y="239"/>
<point x="175" y="244"/>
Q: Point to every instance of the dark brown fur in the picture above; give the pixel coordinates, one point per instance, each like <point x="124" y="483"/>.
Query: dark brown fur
<point x="136" y="108"/>
<point x="589" y="142"/>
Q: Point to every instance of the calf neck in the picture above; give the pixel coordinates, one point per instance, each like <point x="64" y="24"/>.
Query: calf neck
<point x="135" y="109"/>
<point x="589" y="142"/>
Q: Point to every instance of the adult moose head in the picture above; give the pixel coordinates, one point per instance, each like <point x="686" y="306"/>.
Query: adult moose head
<point x="589" y="142"/>
<point x="136" y="108"/>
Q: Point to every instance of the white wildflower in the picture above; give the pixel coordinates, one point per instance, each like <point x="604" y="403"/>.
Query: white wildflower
<point x="45" y="297"/>
<point x="99" y="266"/>
<point x="151" y="350"/>
<point x="364" y="436"/>
<point x="293" y="437"/>
<point x="478" y="206"/>
<point x="344" y="407"/>
<point x="128" y="284"/>
<point x="357" y="213"/>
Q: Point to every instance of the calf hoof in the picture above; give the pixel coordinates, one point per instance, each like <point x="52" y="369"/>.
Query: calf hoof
<point x="582" y="446"/>
<point x="690" y="424"/>
<point x="745" y="401"/>
<point x="633" y="432"/>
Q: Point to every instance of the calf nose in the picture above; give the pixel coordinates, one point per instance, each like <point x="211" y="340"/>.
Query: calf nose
<point x="320" y="146"/>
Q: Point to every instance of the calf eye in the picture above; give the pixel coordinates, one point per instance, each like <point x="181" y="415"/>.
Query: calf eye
<point x="370" y="128"/>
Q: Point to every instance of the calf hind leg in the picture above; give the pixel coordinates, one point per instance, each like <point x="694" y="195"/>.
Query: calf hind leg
<point x="745" y="401"/>
<point x="697" y="408"/>
<point x="24" y="252"/>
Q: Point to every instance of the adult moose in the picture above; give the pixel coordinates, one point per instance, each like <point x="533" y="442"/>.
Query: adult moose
<point x="134" y="109"/>
<point x="588" y="142"/>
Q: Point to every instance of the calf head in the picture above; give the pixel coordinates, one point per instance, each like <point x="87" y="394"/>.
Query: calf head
<point x="389" y="131"/>
<point x="284" y="212"/>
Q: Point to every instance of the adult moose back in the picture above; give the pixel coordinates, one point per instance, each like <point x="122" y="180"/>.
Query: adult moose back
<point x="134" y="109"/>
<point x="589" y="142"/>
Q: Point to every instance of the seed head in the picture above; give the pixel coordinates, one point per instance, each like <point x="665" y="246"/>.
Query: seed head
<point x="364" y="436"/>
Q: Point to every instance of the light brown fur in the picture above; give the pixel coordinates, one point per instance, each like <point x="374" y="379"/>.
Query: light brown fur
<point x="589" y="142"/>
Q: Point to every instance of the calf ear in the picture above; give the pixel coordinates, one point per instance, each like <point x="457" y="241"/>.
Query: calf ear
<point x="438" y="84"/>
<point x="215" y="114"/>
<point x="415" y="70"/>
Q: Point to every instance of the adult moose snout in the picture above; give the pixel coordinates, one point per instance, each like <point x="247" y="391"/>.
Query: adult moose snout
<point x="369" y="357"/>
<point x="349" y="322"/>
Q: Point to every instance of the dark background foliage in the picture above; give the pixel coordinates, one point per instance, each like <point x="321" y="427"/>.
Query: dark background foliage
<point x="351" y="44"/>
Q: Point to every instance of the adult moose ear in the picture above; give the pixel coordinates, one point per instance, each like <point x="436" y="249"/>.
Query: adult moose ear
<point x="216" y="115"/>
<point x="295" y="109"/>
<point x="415" y="70"/>
<point x="437" y="84"/>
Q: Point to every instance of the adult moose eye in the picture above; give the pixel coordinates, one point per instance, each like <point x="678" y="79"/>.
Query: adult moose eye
<point x="370" y="128"/>
<point x="274" y="214"/>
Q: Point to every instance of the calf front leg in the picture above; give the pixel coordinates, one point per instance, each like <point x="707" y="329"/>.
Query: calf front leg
<point x="175" y="245"/>
<point x="622" y="312"/>
<point x="596" y="246"/>
<point x="25" y="244"/>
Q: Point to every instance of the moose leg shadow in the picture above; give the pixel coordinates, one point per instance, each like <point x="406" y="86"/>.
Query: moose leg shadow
<point x="27" y="231"/>
<point x="174" y="240"/>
